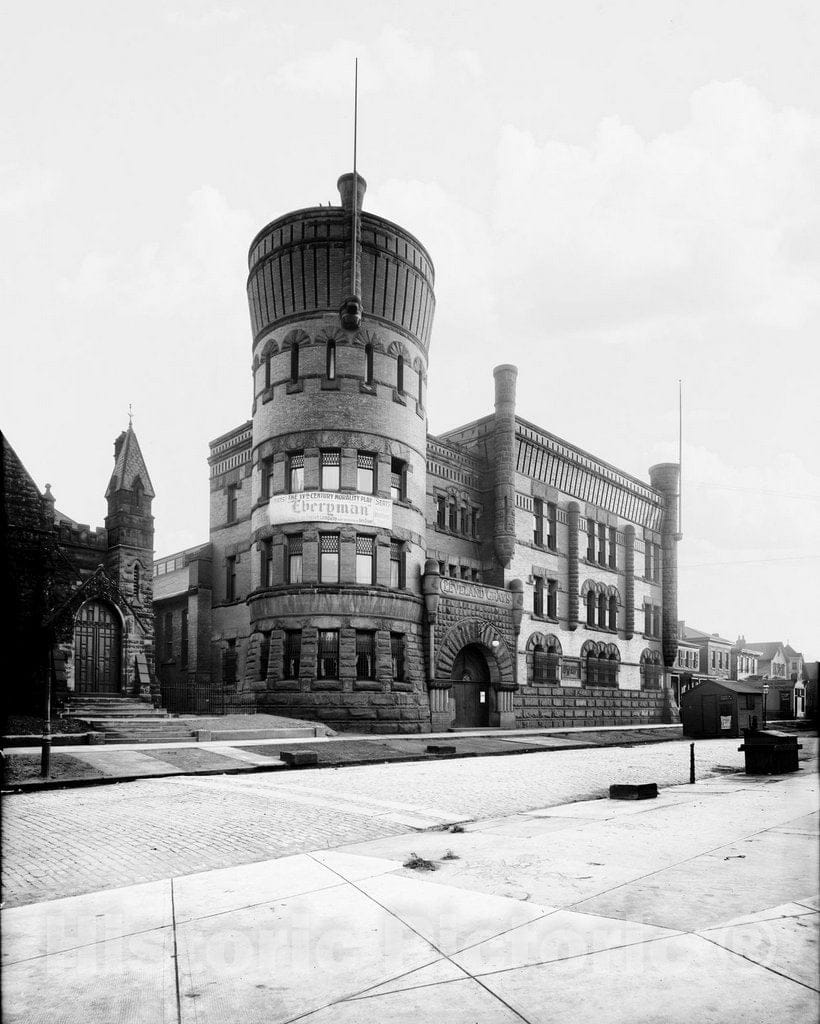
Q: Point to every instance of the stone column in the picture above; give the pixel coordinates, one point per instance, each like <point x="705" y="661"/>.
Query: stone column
<point x="504" y="463"/>
<point x="629" y="581"/>
<point x="664" y="477"/>
<point x="572" y="568"/>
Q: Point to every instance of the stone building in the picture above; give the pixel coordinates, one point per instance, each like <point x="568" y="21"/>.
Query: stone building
<point x="79" y="600"/>
<point x="370" y="575"/>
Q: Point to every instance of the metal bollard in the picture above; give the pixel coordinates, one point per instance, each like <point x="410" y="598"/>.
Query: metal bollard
<point x="691" y="764"/>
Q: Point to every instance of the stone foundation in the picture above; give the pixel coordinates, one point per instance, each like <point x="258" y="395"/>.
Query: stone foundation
<point x="573" y="706"/>
<point x="352" y="712"/>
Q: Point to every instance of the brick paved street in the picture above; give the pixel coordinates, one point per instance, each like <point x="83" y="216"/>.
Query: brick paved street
<point x="64" y="842"/>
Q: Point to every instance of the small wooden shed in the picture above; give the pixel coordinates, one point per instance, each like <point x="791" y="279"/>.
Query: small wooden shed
<point x="721" y="707"/>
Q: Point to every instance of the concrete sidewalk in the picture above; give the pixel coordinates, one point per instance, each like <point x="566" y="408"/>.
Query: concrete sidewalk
<point x="80" y="766"/>
<point x="700" y="906"/>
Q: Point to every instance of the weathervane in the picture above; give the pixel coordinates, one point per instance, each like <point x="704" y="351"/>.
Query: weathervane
<point x="351" y="312"/>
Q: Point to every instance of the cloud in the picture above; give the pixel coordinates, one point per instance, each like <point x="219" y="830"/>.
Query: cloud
<point x="216" y="17"/>
<point x="392" y="61"/>
<point x="22" y="189"/>
<point x="196" y="269"/>
<point x="721" y="215"/>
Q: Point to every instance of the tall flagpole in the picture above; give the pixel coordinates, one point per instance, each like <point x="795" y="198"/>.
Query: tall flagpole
<point x="353" y="288"/>
<point x="679" y="535"/>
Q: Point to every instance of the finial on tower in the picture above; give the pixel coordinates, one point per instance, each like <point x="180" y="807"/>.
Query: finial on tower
<point x="351" y="310"/>
<point x="130" y="416"/>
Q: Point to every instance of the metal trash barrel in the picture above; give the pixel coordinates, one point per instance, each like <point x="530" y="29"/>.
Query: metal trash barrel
<point x="769" y="752"/>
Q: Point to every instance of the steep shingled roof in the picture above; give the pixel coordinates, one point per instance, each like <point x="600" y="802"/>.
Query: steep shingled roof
<point x="128" y="465"/>
<point x="766" y="650"/>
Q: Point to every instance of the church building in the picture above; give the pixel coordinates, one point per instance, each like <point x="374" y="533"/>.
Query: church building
<point x="367" y="574"/>
<point x="79" y="600"/>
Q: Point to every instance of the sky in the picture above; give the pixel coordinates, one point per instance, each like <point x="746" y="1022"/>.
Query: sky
<point x="615" y="197"/>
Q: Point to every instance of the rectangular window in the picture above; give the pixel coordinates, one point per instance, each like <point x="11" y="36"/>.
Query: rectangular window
<point x="291" y="653"/>
<point x="647" y="557"/>
<point x="293" y="557"/>
<point x="331" y="462"/>
<point x="613" y="548"/>
<point x="453" y="571"/>
<point x="366" y="473"/>
<point x="656" y="621"/>
<point x="538" y="597"/>
<point x="232" y="503"/>
<point x="476" y="576"/>
<point x="267" y="479"/>
<point x="168" y="636"/>
<point x="183" y="639"/>
<point x="647" y="619"/>
<point x="552" y="520"/>
<point x="656" y="562"/>
<point x="453" y="523"/>
<point x="474" y="523"/>
<point x="397" y="656"/>
<point x="552" y="599"/>
<point x="229" y="663"/>
<point x="296" y="472"/>
<point x="364" y="560"/>
<point x="397" y="479"/>
<point x="267" y="370"/>
<point x="601" y="544"/>
<point x="264" y="655"/>
<point x="441" y="512"/>
<point x="591" y="540"/>
<point x="365" y="654"/>
<point x="327" y="655"/>
<point x="328" y="557"/>
<point x="230" y="578"/>
<point x="713" y="659"/>
<point x="538" y="522"/>
<point x="465" y="520"/>
<point x="397" y="581"/>
<point x="266" y="575"/>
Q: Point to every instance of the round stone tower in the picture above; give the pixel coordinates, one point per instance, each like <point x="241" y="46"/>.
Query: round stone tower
<point x="341" y="328"/>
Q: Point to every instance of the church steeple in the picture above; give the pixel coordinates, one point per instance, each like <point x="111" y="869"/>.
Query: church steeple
<point x="129" y="522"/>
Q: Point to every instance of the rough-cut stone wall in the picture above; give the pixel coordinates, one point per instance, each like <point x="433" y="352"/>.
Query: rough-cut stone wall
<point x="554" y="706"/>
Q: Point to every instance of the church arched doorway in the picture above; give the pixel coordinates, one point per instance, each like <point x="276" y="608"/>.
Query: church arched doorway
<point x="472" y="691"/>
<point x="97" y="646"/>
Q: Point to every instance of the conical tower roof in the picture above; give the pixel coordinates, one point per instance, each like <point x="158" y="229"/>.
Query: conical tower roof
<point x="129" y="465"/>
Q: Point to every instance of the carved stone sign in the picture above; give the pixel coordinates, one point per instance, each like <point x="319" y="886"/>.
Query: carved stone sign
<point x="475" y="592"/>
<point x="331" y="507"/>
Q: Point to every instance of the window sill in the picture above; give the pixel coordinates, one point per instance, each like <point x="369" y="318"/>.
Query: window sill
<point x="367" y="389"/>
<point x="398" y="398"/>
<point x="293" y="387"/>
<point x="329" y="384"/>
<point x="267" y="395"/>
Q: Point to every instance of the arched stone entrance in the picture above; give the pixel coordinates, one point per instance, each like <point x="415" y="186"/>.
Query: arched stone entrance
<point x="472" y="692"/>
<point x="97" y="649"/>
<point x="475" y="648"/>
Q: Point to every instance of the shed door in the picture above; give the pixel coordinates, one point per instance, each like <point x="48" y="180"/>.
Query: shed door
<point x="711" y="722"/>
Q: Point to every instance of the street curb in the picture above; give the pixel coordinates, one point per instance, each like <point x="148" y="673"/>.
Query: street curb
<point x="108" y="780"/>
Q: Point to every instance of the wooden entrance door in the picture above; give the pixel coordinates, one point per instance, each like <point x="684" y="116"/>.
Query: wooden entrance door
<point x="97" y="649"/>
<point x="471" y="689"/>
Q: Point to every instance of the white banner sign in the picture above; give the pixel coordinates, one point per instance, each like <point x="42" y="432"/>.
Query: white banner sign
<point x="331" y="507"/>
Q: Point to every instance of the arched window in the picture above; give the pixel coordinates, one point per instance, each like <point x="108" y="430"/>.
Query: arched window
<point x="136" y="495"/>
<point x="267" y="370"/>
<point x="592" y="668"/>
<point x="294" y="362"/>
<point x="421" y="388"/>
<point x="544" y="659"/>
<point x="590" y="608"/>
<point x="136" y="580"/>
<point x="331" y="360"/>
<point x="400" y="374"/>
<point x="368" y="364"/>
<point x="651" y="670"/>
<point x="602" y="610"/>
<point x="613" y="612"/>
